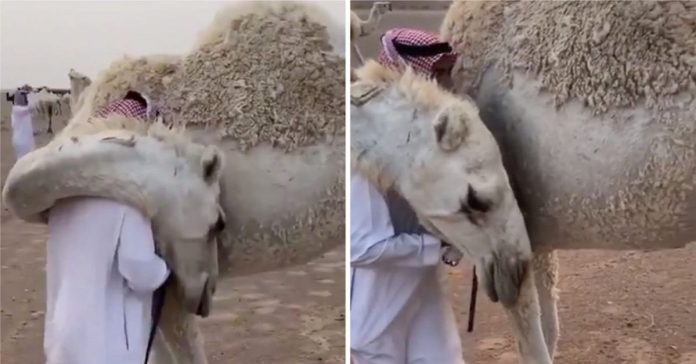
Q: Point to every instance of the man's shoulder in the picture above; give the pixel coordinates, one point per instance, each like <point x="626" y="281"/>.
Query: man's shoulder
<point x="95" y="205"/>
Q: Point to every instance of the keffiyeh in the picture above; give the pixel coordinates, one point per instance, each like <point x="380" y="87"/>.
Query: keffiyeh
<point x="419" y="49"/>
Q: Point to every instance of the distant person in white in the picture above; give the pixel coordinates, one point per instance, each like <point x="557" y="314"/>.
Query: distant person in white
<point x="399" y="313"/>
<point x="101" y="272"/>
<point x="22" y="124"/>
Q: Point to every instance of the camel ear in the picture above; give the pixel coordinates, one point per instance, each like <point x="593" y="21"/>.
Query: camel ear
<point x="451" y="127"/>
<point x="212" y="164"/>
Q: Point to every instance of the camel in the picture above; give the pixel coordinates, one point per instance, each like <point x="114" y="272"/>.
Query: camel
<point x="592" y="104"/>
<point x="150" y="166"/>
<point x="45" y="104"/>
<point x="361" y="28"/>
<point x="278" y="117"/>
<point x="78" y="83"/>
<point x="404" y="129"/>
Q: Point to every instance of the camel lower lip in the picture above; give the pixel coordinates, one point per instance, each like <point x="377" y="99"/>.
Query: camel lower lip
<point x="203" y="305"/>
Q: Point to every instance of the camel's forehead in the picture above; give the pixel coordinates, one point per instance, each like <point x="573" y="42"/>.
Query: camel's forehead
<point x="390" y="99"/>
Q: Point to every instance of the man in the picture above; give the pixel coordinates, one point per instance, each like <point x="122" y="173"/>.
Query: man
<point x="422" y="51"/>
<point x="399" y="313"/>
<point x="22" y="125"/>
<point x="101" y="270"/>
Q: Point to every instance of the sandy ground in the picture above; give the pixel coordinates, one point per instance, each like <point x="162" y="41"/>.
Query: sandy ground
<point x="292" y="316"/>
<point x="615" y="307"/>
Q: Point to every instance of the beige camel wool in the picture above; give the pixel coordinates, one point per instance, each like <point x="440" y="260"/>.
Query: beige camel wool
<point x="642" y="50"/>
<point x="273" y="79"/>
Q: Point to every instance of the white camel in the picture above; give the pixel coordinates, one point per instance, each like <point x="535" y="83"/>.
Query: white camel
<point x="45" y="105"/>
<point x="78" y="83"/>
<point x="593" y="105"/>
<point x="362" y="28"/>
<point x="158" y="170"/>
<point x="279" y="118"/>
<point x="65" y="104"/>
<point x="429" y="145"/>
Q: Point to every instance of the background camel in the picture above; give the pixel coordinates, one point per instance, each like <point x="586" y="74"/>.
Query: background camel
<point x="593" y="106"/>
<point x="47" y="105"/>
<point x="361" y="28"/>
<point x="78" y="83"/>
<point x="278" y="116"/>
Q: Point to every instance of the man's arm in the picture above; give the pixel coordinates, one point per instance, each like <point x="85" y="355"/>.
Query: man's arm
<point x="373" y="242"/>
<point x="137" y="262"/>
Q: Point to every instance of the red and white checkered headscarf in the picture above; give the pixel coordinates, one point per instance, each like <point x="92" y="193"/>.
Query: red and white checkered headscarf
<point x="389" y="56"/>
<point x="134" y="105"/>
<point x="127" y="107"/>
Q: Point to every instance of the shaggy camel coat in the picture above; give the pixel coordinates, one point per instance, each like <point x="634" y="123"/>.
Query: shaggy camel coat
<point x="399" y="313"/>
<point x="101" y="271"/>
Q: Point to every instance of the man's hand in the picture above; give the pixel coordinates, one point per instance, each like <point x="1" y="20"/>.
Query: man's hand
<point x="451" y="255"/>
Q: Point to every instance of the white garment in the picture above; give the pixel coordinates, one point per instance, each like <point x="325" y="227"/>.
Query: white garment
<point x="101" y="271"/>
<point x="399" y="313"/>
<point x="22" y="130"/>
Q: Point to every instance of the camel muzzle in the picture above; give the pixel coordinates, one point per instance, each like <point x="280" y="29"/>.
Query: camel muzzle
<point x="503" y="274"/>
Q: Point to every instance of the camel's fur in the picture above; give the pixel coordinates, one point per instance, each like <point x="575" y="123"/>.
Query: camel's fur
<point x="402" y="127"/>
<point x="221" y="30"/>
<point x="281" y="127"/>
<point x="425" y="94"/>
<point x="653" y="44"/>
<point x="149" y="76"/>
<point x="283" y="86"/>
<point x="593" y="104"/>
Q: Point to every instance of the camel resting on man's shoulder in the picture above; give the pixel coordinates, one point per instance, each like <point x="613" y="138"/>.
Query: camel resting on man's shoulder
<point x="430" y="146"/>
<point x="280" y="122"/>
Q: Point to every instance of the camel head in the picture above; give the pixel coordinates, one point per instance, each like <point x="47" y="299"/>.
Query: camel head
<point x="409" y="134"/>
<point x="157" y="170"/>
<point x="188" y="225"/>
<point x="77" y="76"/>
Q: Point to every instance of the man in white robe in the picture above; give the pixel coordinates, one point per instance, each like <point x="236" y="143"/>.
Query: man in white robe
<point x="22" y="123"/>
<point x="101" y="272"/>
<point x="399" y="313"/>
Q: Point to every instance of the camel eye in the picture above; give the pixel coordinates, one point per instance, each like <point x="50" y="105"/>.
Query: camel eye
<point x="476" y="202"/>
<point x="474" y="206"/>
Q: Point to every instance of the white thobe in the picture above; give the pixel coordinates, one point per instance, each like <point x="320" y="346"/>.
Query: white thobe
<point x="101" y="272"/>
<point x="399" y="313"/>
<point x="22" y="130"/>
